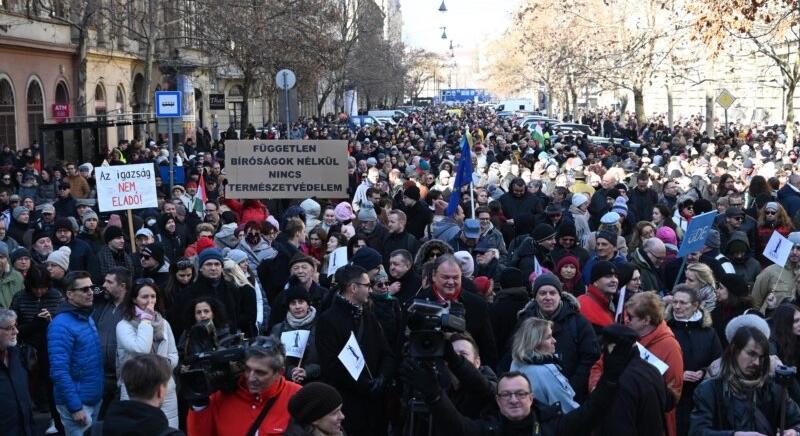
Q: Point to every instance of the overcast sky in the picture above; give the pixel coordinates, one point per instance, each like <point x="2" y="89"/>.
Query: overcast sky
<point x="469" y="22"/>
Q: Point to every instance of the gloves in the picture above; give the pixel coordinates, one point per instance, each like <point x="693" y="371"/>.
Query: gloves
<point x="422" y="378"/>
<point x="616" y="361"/>
<point x="452" y="359"/>
<point x="143" y="314"/>
<point x="376" y="386"/>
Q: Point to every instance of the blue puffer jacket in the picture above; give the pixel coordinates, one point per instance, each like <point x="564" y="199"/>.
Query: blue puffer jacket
<point x="76" y="359"/>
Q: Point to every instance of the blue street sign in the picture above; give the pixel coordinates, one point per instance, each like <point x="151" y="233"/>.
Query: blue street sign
<point x="168" y="104"/>
<point x="696" y="233"/>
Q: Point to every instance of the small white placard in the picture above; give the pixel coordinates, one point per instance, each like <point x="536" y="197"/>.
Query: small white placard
<point x="336" y="260"/>
<point x="352" y="358"/>
<point x="295" y="342"/>
<point x="778" y="249"/>
<point x="651" y="358"/>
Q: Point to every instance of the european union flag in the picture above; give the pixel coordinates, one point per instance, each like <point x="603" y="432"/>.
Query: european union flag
<point x="463" y="176"/>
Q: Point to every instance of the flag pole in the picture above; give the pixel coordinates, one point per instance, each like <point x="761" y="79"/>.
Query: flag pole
<point x="472" y="198"/>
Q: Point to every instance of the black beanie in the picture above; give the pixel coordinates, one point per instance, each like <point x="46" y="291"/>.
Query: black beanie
<point x="39" y="234"/>
<point x="313" y="401"/>
<point x="112" y="232"/>
<point x="511" y="278"/>
<point x="297" y="291"/>
<point x="412" y="192"/>
<point x="567" y="228"/>
<point x="543" y="232"/>
<point x="734" y="284"/>
<point x="602" y="269"/>
<point x="155" y="251"/>
<point x="625" y="272"/>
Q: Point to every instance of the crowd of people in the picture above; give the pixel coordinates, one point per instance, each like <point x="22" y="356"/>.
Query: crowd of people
<point x="546" y="296"/>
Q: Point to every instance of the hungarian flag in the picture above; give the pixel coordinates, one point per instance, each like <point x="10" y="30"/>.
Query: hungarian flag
<point x="538" y="136"/>
<point x="200" y="197"/>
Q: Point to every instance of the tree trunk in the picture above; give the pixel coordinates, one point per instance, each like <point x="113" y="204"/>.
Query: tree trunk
<point x="790" y="132"/>
<point x="83" y="51"/>
<point x="670" y="107"/>
<point x="638" y="104"/>
<point x="574" y="95"/>
<point x="246" y="84"/>
<point x="149" y="60"/>
<point x="710" y="111"/>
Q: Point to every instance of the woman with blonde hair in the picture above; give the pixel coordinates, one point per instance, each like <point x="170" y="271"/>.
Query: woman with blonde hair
<point x="233" y="273"/>
<point x="533" y="353"/>
<point x="771" y="218"/>
<point x="700" y="278"/>
<point x="644" y="230"/>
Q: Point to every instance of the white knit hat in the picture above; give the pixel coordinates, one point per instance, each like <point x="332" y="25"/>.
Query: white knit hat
<point x="578" y="199"/>
<point x="748" y="319"/>
<point x="60" y="257"/>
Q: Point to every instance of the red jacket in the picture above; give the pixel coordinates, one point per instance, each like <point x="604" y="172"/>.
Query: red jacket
<point x="250" y="210"/>
<point x="232" y="414"/>
<point x="595" y="308"/>
<point x="662" y="343"/>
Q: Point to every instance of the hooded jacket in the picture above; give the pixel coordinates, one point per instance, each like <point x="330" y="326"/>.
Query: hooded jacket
<point x="312" y="209"/>
<point x="576" y="342"/>
<point x="226" y="237"/>
<point x="700" y="346"/>
<point x="651" y="276"/>
<point x="257" y="253"/>
<point x="746" y="266"/>
<point x="11" y="282"/>
<point x="426" y="248"/>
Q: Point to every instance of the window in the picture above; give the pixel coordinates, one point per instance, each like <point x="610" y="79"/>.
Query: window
<point x="120" y="109"/>
<point x="8" y="124"/>
<point x="62" y="95"/>
<point x="100" y="110"/>
<point x="235" y="107"/>
<point x="35" y="111"/>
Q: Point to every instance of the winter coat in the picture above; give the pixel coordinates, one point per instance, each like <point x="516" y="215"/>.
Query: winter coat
<point x="81" y="257"/>
<point x="661" y="342"/>
<point x="135" y="418"/>
<point x="427" y="247"/>
<point x="11" y="283"/>
<point x="66" y="207"/>
<point x="528" y="255"/>
<point x="586" y="272"/>
<point x="718" y="411"/>
<point x="764" y="234"/>
<point x="596" y="308"/>
<point x="397" y="241"/>
<point x="639" y="405"/>
<point x="777" y="279"/>
<point x="132" y="341"/>
<point x="419" y="217"/>
<point x="577" y="251"/>
<point x="642" y="202"/>
<point x="789" y="197"/>
<point x="249" y="210"/>
<point x="410" y="284"/>
<point x="33" y="328"/>
<point x="495" y="239"/>
<point x="108" y="259"/>
<point x="319" y="297"/>
<point x="576" y="342"/>
<point x="227" y="293"/>
<point x="95" y="240"/>
<point x="749" y="227"/>
<point x="549" y="385"/>
<point x="232" y="413"/>
<point x="76" y="358"/>
<point x="274" y="273"/>
<point x="226" y="237"/>
<point x="582" y="229"/>
<point x="700" y="346"/>
<point x="106" y="316"/>
<point x="650" y="275"/>
<point x="747" y="267"/>
<point x="334" y="328"/>
<point x="514" y="207"/>
<point x="255" y="254"/>
<point x="310" y="356"/>
<point x="16" y="407"/>
<point x="503" y="314"/>
<point x="173" y="244"/>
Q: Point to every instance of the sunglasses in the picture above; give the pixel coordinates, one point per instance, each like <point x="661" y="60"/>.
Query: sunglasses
<point x="144" y="281"/>
<point x="146" y="257"/>
<point x="381" y="284"/>
<point x="770" y="212"/>
<point x="85" y="289"/>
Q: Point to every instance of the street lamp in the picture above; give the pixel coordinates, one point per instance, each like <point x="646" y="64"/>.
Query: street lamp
<point x="444" y="32"/>
<point x="442" y="8"/>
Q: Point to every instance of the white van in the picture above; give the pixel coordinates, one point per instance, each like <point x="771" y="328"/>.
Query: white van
<point x="388" y="113"/>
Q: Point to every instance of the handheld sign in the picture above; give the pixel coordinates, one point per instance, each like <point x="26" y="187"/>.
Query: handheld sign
<point x="352" y="358"/>
<point x="778" y="249"/>
<point x="295" y="342"/>
<point x="336" y="260"/>
<point x="651" y="358"/>
<point x="696" y="233"/>
<point x="126" y="187"/>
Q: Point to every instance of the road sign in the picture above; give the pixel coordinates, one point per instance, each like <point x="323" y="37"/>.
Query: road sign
<point x="285" y="79"/>
<point x="168" y="104"/>
<point x="725" y="99"/>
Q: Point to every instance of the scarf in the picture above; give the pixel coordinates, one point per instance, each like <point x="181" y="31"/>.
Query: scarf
<point x="296" y="323"/>
<point x="357" y="311"/>
<point x="158" y="328"/>
<point x="446" y="298"/>
<point x="696" y="316"/>
<point x="741" y="384"/>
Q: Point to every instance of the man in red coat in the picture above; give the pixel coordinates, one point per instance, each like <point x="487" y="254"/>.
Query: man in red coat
<point x="262" y="385"/>
<point x="596" y="304"/>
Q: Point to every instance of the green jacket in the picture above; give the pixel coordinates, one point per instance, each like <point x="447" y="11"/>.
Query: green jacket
<point x="10" y="283"/>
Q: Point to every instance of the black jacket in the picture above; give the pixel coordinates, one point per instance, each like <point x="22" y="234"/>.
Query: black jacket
<point x="514" y="206"/>
<point x="718" y="411"/>
<point x="640" y="403"/>
<point x="699" y="346"/>
<point x="642" y="202"/>
<point x="418" y="218"/>
<point x="503" y="315"/>
<point x="478" y="323"/>
<point x="334" y="328"/>
<point x="319" y="297"/>
<point x="274" y="273"/>
<point x="133" y="418"/>
<point x="410" y="284"/>
<point x="238" y="314"/>
<point x="81" y="257"/>
<point x="16" y="408"/>
<point x="576" y="342"/>
<point x="397" y="241"/>
<point x="547" y="419"/>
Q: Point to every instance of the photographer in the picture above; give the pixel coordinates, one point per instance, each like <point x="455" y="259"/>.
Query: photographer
<point x="446" y="288"/>
<point x="744" y="399"/>
<point x="146" y="378"/>
<point x="519" y="412"/>
<point x="259" y="402"/>
<point x="473" y="385"/>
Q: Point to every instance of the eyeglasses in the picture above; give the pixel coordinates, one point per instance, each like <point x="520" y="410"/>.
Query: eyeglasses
<point x="10" y="328"/>
<point x="368" y="284"/>
<point x="739" y="218"/>
<point x="505" y="396"/>
<point x="85" y="289"/>
<point x="144" y="281"/>
<point x="770" y="212"/>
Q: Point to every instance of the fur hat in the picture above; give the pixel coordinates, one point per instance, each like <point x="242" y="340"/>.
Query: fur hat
<point x="748" y="319"/>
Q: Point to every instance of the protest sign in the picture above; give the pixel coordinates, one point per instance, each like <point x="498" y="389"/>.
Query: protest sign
<point x="778" y="249"/>
<point x="696" y="233"/>
<point x="336" y="260"/>
<point x="651" y="358"/>
<point x="286" y="169"/>
<point x="352" y="358"/>
<point x="126" y="187"/>
<point x="295" y="342"/>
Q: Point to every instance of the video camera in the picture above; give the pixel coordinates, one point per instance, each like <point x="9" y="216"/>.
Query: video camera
<point x="427" y="324"/>
<point x="211" y="363"/>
